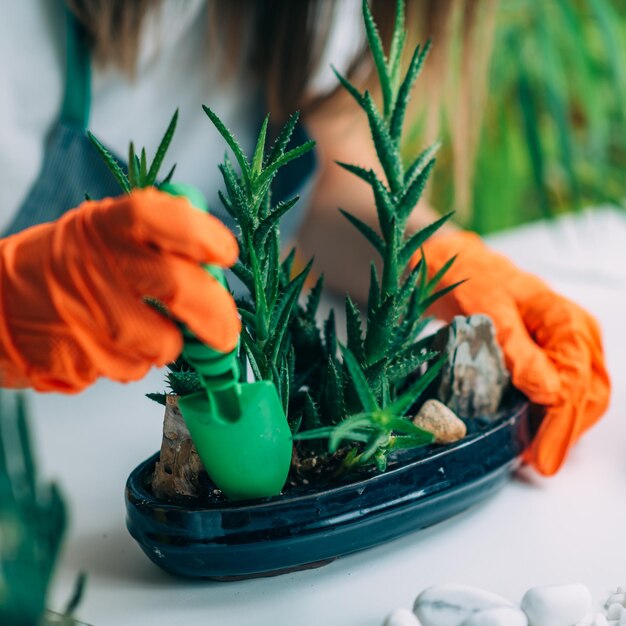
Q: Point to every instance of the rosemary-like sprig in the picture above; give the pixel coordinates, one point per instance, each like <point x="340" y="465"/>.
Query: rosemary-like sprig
<point x="371" y="386"/>
<point x="273" y="294"/>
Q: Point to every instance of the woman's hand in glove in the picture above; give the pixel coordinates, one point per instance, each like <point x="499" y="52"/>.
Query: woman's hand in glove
<point x="72" y="299"/>
<point x="552" y="346"/>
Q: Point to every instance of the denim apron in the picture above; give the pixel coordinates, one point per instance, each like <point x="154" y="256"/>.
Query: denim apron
<point x="72" y="168"/>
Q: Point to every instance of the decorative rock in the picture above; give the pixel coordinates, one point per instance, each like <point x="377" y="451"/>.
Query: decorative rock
<point x="505" y="616"/>
<point x="179" y="467"/>
<point x="401" y="617"/>
<point x="474" y="376"/>
<point x="438" y="419"/>
<point x="557" y="605"/>
<point x="451" y="605"/>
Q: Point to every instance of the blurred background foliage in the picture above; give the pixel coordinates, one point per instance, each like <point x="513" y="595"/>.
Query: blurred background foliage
<point x="33" y="519"/>
<point x="553" y="136"/>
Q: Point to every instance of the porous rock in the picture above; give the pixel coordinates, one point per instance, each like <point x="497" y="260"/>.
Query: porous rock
<point x="474" y="376"/>
<point x="177" y="471"/>
<point x="452" y="604"/>
<point x="557" y="605"/>
<point x="438" y="419"/>
<point x="401" y="617"/>
<point x="505" y="616"/>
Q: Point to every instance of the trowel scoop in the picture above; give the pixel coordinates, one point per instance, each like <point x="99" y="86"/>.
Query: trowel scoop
<point x="239" y="429"/>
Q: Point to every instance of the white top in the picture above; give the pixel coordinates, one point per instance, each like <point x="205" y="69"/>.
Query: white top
<point x="174" y="70"/>
<point x="569" y="528"/>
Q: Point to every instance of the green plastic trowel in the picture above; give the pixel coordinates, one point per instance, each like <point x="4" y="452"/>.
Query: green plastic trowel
<point x="239" y="429"/>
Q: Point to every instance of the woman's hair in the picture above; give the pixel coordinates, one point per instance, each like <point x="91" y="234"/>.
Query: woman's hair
<point x="285" y="40"/>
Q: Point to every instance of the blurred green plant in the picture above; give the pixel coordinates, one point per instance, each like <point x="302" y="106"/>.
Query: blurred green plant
<point x="554" y="133"/>
<point x="32" y="525"/>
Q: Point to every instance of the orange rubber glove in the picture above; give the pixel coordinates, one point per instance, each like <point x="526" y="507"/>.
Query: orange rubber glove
<point x="552" y="347"/>
<point x="72" y="292"/>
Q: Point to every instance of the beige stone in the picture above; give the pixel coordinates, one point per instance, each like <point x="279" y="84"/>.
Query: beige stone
<point x="177" y="472"/>
<point x="437" y="418"/>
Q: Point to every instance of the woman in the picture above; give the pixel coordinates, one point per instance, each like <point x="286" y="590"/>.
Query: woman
<point x="73" y="287"/>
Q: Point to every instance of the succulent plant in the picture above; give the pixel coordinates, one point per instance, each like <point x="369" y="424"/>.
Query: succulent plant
<point x="360" y="392"/>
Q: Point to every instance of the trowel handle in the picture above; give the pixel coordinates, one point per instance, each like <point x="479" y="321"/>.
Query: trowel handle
<point x="219" y="372"/>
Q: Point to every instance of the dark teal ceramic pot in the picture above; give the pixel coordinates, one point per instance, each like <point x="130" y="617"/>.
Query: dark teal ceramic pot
<point x="265" y="537"/>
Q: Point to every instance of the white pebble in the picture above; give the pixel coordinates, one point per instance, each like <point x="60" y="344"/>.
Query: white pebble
<point x="616" y="612"/>
<point x="617" y="597"/>
<point x="497" y="617"/>
<point x="557" y="605"/>
<point x="401" y="617"/>
<point x="451" y="604"/>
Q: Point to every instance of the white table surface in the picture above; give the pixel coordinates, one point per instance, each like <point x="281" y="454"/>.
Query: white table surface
<point x="535" y="531"/>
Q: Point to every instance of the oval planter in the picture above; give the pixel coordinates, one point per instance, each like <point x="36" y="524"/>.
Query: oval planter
<point x="265" y="537"/>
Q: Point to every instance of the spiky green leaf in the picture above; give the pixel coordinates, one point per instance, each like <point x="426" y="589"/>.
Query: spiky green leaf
<point x="376" y="47"/>
<point x="310" y="413"/>
<point x="313" y="301"/>
<point x="373" y="298"/>
<point x="434" y="281"/>
<point x="348" y="86"/>
<point x="385" y="209"/>
<point x="330" y="335"/>
<point x="358" y="378"/>
<point x="396" y="50"/>
<point x="272" y="220"/>
<point x="284" y="308"/>
<point x="133" y="170"/>
<point x="404" y="92"/>
<point x="278" y="148"/>
<point x="366" y="175"/>
<point x="256" y="358"/>
<point x="354" y="329"/>
<point x="239" y="206"/>
<point x="164" y="145"/>
<point x="386" y="148"/>
<point x="244" y="275"/>
<point x="413" y="193"/>
<point x="418" y="239"/>
<point x="369" y="233"/>
<point x="332" y="392"/>
<point x="420" y="161"/>
<point x="169" y="176"/>
<point x="111" y="163"/>
<point x="232" y="143"/>
<point x="272" y="286"/>
<point x="257" y="159"/>
<point x="159" y="398"/>
<point x="408" y="363"/>
<point x="272" y="168"/>
<point x="401" y="405"/>
<point x="287" y="266"/>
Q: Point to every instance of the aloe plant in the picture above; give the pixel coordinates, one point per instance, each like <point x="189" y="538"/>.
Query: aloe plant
<point x="359" y="394"/>
<point x="272" y="292"/>
<point x="370" y="388"/>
